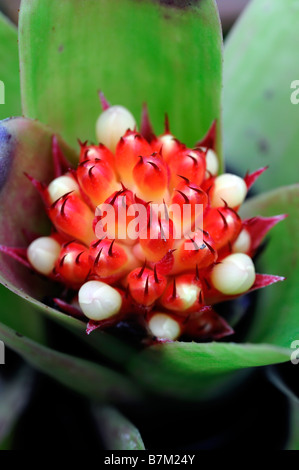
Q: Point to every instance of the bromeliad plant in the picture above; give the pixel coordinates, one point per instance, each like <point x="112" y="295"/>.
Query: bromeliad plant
<point x="168" y="270"/>
<point x="172" y="286"/>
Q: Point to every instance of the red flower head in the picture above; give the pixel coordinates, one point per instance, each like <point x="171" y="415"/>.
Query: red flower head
<point x="146" y="230"/>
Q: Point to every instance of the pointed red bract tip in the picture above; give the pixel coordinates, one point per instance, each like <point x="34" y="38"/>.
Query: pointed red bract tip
<point x="166" y="124"/>
<point x="103" y="324"/>
<point x="146" y="128"/>
<point x="68" y="308"/>
<point x="60" y="162"/>
<point x="40" y="187"/>
<point x="258" y="227"/>
<point x="104" y="103"/>
<point x="265" y="280"/>
<point x="165" y="265"/>
<point x="250" y="178"/>
<point x="209" y="140"/>
<point x="82" y="144"/>
<point x="207" y="324"/>
<point x="212" y="296"/>
<point x="18" y="254"/>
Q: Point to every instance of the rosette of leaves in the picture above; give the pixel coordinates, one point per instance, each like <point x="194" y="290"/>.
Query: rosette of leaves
<point x="170" y="55"/>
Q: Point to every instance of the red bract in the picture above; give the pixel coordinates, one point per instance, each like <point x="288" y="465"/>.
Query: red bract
<point x="95" y="153"/>
<point x="150" y="176"/>
<point x="72" y="217"/>
<point x="188" y="163"/>
<point x="145" y="285"/>
<point x="157" y="238"/>
<point x="184" y="294"/>
<point x="130" y="147"/>
<point x="110" y="260"/>
<point x="97" y="179"/>
<point x="149" y="264"/>
<point x="73" y="265"/>
<point x="223" y="224"/>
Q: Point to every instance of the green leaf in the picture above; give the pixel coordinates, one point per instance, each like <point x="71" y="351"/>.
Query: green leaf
<point x="134" y="51"/>
<point x="260" y="124"/>
<point x="201" y="371"/>
<point x="14" y="396"/>
<point x="117" y="432"/>
<point x="20" y="315"/>
<point x="92" y="380"/>
<point x="276" y="315"/>
<point x="9" y="70"/>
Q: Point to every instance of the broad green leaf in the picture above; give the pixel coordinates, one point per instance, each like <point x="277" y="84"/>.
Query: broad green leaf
<point x="88" y="378"/>
<point x="117" y="432"/>
<point x="20" y="315"/>
<point x="260" y="124"/>
<point x="276" y="315"/>
<point x="9" y="70"/>
<point x="201" y="371"/>
<point x="148" y="51"/>
<point x="14" y="396"/>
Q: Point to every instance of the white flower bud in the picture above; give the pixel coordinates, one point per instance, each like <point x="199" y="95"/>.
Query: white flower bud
<point x="43" y="253"/>
<point x="60" y="186"/>
<point x="113" y="124"/>
<point x="99" y="301"/>
<point x="212" y="163"/>
<point x="188" y="293"/>
<point x="163" y="326"/>
<point x="229" y="188"/>
<point x="234" y="275"/>
<point x="167" y="142"/>
<point x="243" y="242"/>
